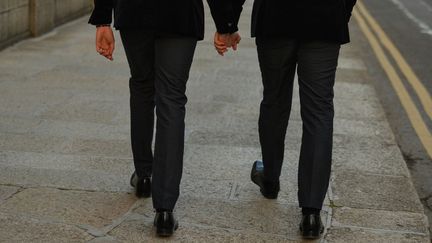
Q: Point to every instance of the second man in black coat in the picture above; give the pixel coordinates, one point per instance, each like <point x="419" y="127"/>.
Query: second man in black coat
<point x="303" y="36"/>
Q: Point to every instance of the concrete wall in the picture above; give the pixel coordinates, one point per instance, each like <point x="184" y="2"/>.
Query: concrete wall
<point x="23" y="18"/>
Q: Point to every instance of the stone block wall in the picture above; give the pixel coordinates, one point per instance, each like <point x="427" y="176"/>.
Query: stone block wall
<point x="14" y="21"/>
<point x="22" y="18"/>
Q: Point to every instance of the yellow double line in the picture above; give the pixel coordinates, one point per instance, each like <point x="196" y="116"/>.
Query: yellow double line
<point x="379" y="40"/>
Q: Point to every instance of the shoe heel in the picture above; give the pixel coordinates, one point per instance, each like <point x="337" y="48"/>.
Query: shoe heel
<point x="310" y="235"/>
<point x="267" y="195"/>
<point x="140" y="192"/>
<point x="164" y="232"/>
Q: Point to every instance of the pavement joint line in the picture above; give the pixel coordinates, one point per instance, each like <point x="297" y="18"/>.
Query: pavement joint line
<point x="407" y="102"/>
<point x="93" y="231"/>
<point x="328" y="223"/>
<point x="378" y="230"/>
<point x="118" y="221"/>
<point x="231" y="230"/>
<point x="365" y="173"/>
<point x="68" y="155"/>
<point x="359" y="172"/>
<point x="24" y="187"/>
<point x="109" y="237"/>
<point x="66" y="143"/>
<point x="235" y="186"/>
<point x="258" y="199"/>
<point x="20" y="189"/>
<point x="380" y="210"/>
<point x="282" y="203"/>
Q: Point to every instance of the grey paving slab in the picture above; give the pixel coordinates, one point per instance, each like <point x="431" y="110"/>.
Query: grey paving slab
<point x="94" y="209"/>
<point x="23" y="229"/>
<point x="97" y="180"/>
<point x="111" y="165"/>
<point x="356" y="91"/>
<point x="83" y="130"/>
<point x="342" y="235"/>
<point x="25" y="103"/>
<point x="394" y="193"/>
<point x="17" y="125"/>
<point x="384" y="161"/>
<point x="245" y="190"/>
<point x="83" y="111"/>
<point x="102" y="147"/>
<point x="31" y="143"/>
<point x="352" y="76"/>
<point x="142" y="231"/>
<point x="214" y="189"/>
<point x="264" y="216"/>
<point x="378" y="219"/>
<point x="104" y="239"/>
<point x="65" y="179"/>
<point x="222" y="122"/>
<point x="348" y="142"/>
<point x="219" y="162"/>
<point x="223" y="138"/>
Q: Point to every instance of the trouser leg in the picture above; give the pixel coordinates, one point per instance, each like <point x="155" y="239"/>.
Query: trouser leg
<point x="173" y="59"/>
<point x="139" y="48"/>
<point x="278" y="63"/>
<point x="317" y="63"/>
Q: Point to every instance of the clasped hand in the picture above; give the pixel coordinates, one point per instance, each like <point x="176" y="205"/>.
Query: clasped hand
<point x="223" y="42"/>
<point x="105" y="42"/>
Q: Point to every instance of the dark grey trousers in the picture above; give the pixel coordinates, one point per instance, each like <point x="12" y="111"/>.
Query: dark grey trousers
<point x="316" y="64"/>
<point x="159" y="71"/>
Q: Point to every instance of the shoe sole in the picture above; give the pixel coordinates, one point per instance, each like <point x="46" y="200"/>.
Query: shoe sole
<point x="269" y="195"/>
<point x="265" y="194"/>
<point x="139" y="193"/>
<point x="166" y="232"/>
<point x="310" y="235"/>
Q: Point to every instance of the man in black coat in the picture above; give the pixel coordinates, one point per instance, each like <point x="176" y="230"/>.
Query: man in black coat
<point x="159" y="38"/>
<point x="305" y="35"/>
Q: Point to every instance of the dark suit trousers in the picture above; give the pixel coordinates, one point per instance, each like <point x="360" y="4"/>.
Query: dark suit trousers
<point x="159" y="71"/>
<point x="316" y="64"/>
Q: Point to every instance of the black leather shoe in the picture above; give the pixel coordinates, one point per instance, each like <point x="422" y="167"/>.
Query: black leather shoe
<point x="311" y="226"/>
<point x="269" y="190"/>
<point x="142" y="185"/>
<point x="165" y="224"/>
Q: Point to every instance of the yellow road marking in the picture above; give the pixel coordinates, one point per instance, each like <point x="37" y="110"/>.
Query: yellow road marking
<point x="408" y="104"/>
<point x="419" y="88"/>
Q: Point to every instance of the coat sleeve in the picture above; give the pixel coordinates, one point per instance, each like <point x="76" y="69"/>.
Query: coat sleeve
<point x="238" y="8"/>
<point x="226" y="14"/>
<point x="102" y="12"/>
<point x="349" y="7"/>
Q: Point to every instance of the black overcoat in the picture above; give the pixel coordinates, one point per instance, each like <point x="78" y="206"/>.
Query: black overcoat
<point x="168" y="17"/>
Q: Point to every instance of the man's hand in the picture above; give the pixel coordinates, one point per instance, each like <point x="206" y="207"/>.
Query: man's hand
<point x="235" y="40"/>
<point x="105" y="42"/>
<point x="224" y="41"/>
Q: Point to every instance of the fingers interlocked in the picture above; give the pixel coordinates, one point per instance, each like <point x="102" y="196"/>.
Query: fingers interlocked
<point x="223" y="42"/>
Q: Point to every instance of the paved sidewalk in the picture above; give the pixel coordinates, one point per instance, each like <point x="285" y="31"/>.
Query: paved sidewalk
<point x="65" y="156"/>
